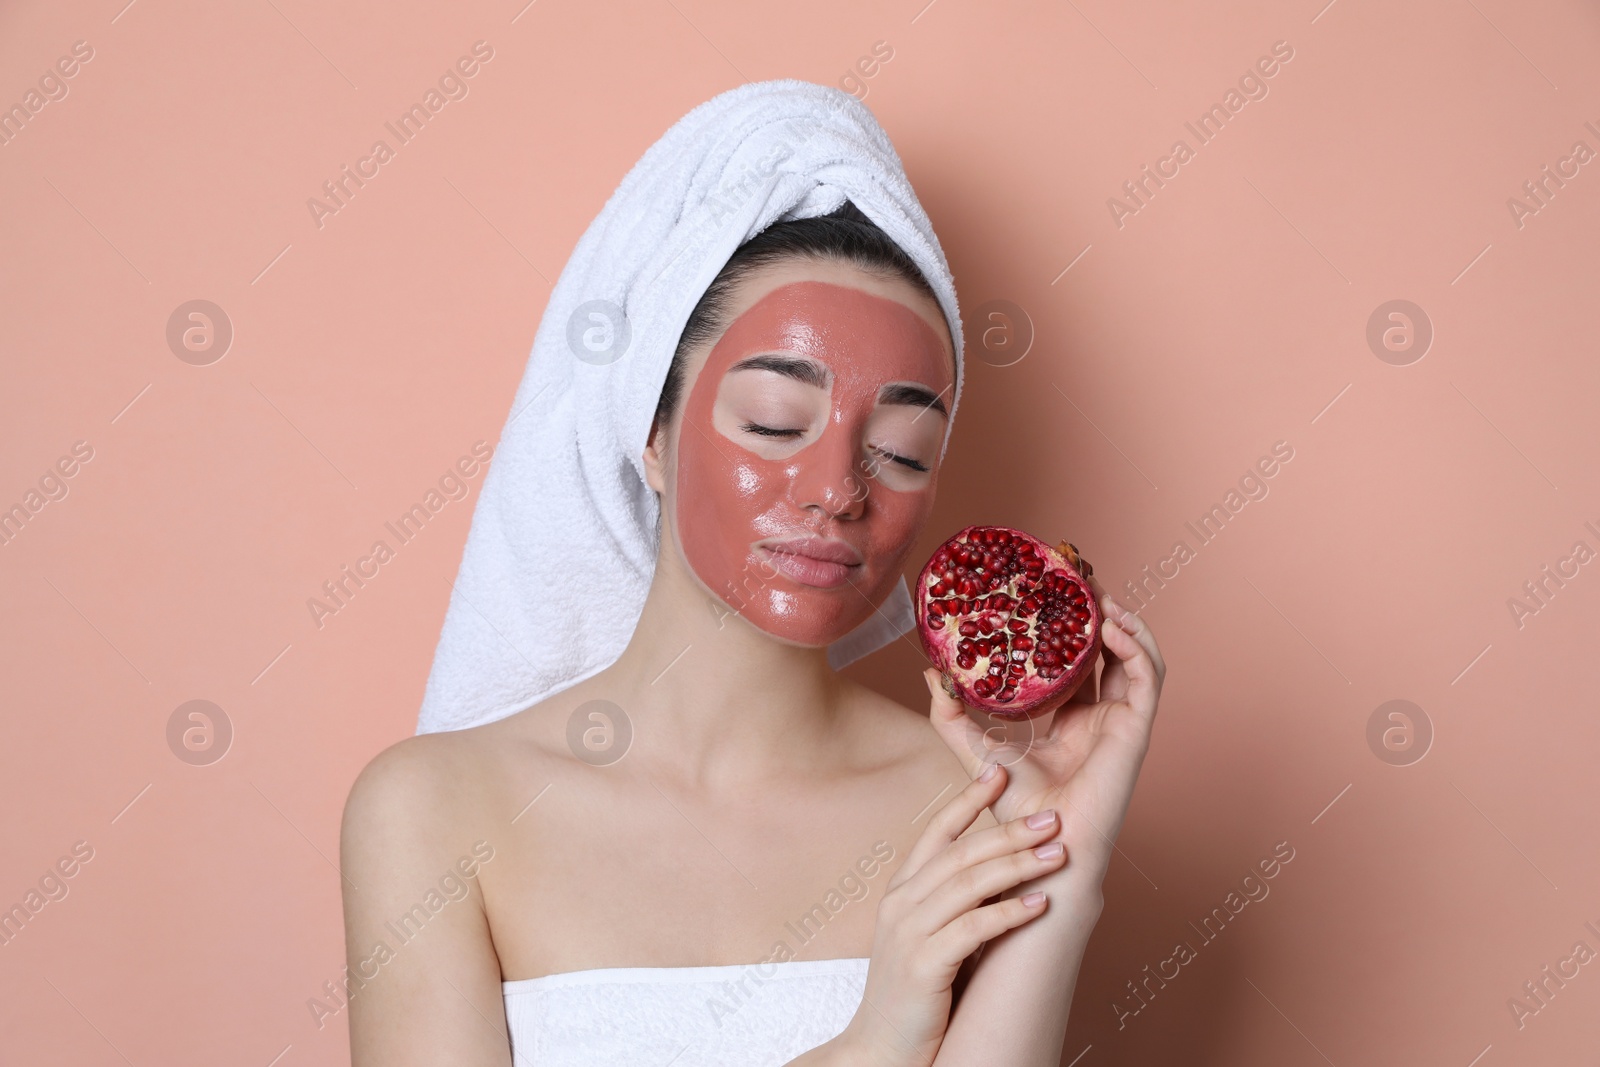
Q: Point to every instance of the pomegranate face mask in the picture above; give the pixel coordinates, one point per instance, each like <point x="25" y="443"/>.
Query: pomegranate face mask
<point x="805" y="462"/>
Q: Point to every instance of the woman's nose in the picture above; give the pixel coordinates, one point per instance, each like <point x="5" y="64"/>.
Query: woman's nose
<point x="826" y="477"/>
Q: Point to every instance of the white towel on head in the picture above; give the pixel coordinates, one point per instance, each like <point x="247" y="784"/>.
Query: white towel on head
<point x="563" y="541"/>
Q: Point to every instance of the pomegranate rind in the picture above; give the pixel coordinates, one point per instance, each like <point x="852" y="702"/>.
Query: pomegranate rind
<point x="1037" y="593"/>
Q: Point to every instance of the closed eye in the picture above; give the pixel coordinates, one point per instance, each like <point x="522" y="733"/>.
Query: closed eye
<point x="768" y="431"/>
<point x="904" y="461"/>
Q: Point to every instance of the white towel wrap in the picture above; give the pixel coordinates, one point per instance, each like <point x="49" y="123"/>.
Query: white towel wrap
<point x="564" y="536"/>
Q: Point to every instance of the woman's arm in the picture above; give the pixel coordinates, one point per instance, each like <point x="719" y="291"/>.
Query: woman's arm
<point x="422" y="971"/>
<point x="1084" y="767"/>
<point x="933" y="916"/>
<point x="1014" y="1008"/>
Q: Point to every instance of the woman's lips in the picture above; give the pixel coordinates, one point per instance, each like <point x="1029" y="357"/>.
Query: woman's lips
<point x="821" y="562"/>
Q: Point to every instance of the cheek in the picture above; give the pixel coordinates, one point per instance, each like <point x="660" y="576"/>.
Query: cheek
<point x="724" y="501"/>
<point x="900" y="517"/>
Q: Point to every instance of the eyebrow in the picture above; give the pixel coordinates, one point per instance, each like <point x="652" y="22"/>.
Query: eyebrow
<point x="802" y="370"/>
<point x="915" y="395"/>
<point x="812" y="373"/>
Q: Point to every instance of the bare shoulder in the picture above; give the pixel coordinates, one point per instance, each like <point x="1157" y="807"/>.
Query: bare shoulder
<point x="408" y="784"/>
<point x="434" y="788"/>
<point x="418" y="828"/>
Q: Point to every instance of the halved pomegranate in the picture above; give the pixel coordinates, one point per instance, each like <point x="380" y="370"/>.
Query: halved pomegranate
<point x="1010" y="622"/>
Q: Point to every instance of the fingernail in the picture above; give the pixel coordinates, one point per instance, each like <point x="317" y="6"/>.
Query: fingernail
<point x="989" y="772"/>
<point x="1033" y="900"/>
<point x="1040" y="819"/>
<point x="1050" y="851"/>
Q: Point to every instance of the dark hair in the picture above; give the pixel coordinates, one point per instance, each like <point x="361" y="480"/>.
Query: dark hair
<point x="843" y="234"/>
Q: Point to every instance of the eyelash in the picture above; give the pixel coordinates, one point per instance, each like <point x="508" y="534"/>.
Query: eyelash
<point x="902" y="460"/>
<point x="768" y="431"/>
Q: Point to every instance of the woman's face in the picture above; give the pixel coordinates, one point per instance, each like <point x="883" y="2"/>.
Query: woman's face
<point x="809" y="440"/>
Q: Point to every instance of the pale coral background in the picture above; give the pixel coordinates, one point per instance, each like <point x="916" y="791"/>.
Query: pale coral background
<point x="1229" y="314"/>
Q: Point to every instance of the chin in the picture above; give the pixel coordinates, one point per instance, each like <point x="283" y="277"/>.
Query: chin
<point x="810" y="618"/>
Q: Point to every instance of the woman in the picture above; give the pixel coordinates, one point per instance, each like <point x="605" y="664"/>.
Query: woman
<point x="785" y="867"/>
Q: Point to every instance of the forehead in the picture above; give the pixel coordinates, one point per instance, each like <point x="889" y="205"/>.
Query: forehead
<point x="784" y="272"/>
<point x="853" y="320"/>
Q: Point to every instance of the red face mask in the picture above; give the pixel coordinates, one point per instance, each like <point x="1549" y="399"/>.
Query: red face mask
<point x="798" y="489"/>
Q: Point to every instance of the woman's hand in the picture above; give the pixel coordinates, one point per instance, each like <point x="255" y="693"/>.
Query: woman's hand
<point x="932" y="917"/>
<point x="1083" y="757"/>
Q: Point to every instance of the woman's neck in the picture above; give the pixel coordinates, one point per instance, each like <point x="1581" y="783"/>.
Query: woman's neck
<point x="716" y="699"/>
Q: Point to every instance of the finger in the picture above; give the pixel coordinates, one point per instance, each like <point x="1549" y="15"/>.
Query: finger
<point x="1113" y="675"/>
<point x="962" y="936"/>
<point x="954" y="726"/>
<point x="1113" y="678"/>
<point x="960" y="859"/>
<point x="1143" y="683"/>
<point x="951" y="821"/>
<point x="1113" y="681"/>
<point x="1135" y="625"/>
<point x="969" y="888"/>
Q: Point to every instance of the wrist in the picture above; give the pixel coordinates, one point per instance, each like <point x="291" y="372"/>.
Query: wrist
<point x="854" y="1048"/>
<point x="1075" y="894"/>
